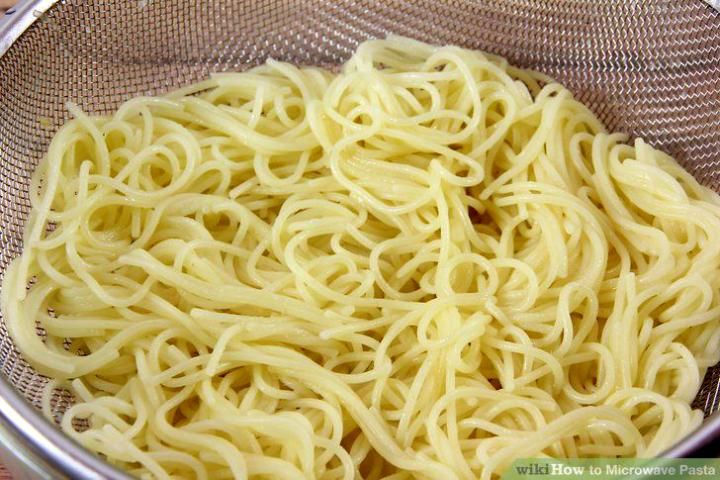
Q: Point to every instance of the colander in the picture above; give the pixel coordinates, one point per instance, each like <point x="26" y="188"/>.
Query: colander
<point x="650" y="68"/>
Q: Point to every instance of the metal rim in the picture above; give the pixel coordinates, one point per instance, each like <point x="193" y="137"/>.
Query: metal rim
<point x="714" y="4"/>
<point x="18" y="18"/>
<point x="27" y="435"/>
<point x="41" y="446"/>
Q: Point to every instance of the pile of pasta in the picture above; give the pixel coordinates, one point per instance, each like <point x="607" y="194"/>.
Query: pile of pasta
<point x="424" y="266"/>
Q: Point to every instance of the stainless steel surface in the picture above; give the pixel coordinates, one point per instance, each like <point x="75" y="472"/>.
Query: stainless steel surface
<point x="714" y="3"/>
<point x="650" y="68"/>
<point x="18" y="18"/>
<point x="45" y="451"/>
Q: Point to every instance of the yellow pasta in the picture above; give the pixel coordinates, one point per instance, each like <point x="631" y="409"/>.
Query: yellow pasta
<point x="421" y="267"/>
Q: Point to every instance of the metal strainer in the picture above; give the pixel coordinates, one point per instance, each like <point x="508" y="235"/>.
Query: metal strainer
<point x="650" y="68"/>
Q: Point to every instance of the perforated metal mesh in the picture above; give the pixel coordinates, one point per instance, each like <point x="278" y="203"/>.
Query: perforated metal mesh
<point x="650" y="68"/>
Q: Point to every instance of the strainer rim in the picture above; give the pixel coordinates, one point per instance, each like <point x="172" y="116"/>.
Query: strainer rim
<point x="19" y="18"/>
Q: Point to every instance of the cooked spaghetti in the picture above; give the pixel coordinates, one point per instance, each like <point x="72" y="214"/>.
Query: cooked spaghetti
<point x="425" y="266"/>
